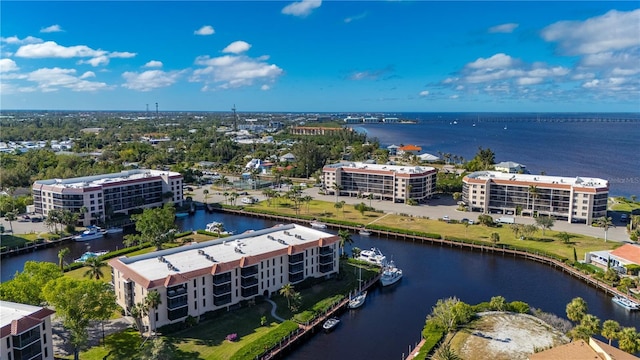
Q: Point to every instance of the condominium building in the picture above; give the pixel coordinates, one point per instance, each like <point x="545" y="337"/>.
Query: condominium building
<point x="577" y="199"/>
<point x="107" y="194"/>
<point x="385" y="182"/>
<point x="217" y="274"/>
<point x="25" y="332"/>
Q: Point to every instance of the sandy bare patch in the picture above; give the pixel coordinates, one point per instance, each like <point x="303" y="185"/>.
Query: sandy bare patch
<point x="507" y="336"/>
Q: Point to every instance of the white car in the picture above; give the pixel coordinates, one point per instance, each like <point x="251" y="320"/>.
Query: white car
<point x="445" y="218"/>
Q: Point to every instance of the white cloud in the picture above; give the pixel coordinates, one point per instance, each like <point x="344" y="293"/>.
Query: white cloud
<point x="121" y="54"/>
<point x="424" y="93"/>
<point x="237" y="47"/>
<point x="529" y="80"/>
<point x="301" y="8"/>
<point x="153" y="63"/>
<point x="614" y="30"/>
<point x="18" y="41"/>
<point x="234" y="71"/>
<point x="150" y="79"/>
<point x="88" y="74"/>
<point x="50" y="49"/>
<point x="496" y="61"/>
<point x="53" y="79"/>
<point x="51" y="29"/>
<point x="265" y="87"/>
<point x="205" y="30"/>
<point x="355" y="17"/>
<point x="7" y="65"/>
<point x="503" y="28"/>
<point x="374" y="74"/>
<point x="96" y="61"/>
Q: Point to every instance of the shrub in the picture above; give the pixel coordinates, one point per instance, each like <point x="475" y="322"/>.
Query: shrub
<point x="553" y="320"/>
<point x="257" y="347"/>
<point x="232" y="337"/>
<point x="519" y="307"/>
<point x="432" y="334"/>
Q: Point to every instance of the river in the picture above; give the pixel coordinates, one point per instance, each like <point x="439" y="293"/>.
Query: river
<point x="392" y="318"/>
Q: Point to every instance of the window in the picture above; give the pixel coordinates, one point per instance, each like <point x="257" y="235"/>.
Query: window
<point x="203" y="281"/>
<point x="204" y="291"/>
<point x="44" y="338"/>
<point x="204" y="302"/>
<point x="46" y="352"/>
<point x="195" y="304"/>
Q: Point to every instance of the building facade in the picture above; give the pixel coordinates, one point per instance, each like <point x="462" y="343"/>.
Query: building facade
<point x="578" y="199"/>
<point x="199" y="278"/>
<point x="25" y="332"/>
<point x="384" y="182"/>
<point x="107" y="194"/>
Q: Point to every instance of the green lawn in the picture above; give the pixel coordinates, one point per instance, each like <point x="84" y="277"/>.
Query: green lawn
<point x="323" y="209"/>
<point x="623" y="205"/>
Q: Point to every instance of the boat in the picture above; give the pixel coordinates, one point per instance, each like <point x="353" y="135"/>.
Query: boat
<point x="114" y="230"/>
<point x="358" y="300"/>
<point x="214" y="226"/>
<point x="90" y="254"/>
<point x="364" y="232"/>
<point x="626" y="303"/>
<point x="317" y="225"/>
<point x="331" y="323"/>
<point x="391" y="274"/>
<point x="373" y="256"/>
<point x="91" y="233"/>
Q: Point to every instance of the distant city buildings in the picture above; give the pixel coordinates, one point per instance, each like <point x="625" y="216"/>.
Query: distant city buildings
<point x="577" y="199"/>
<point x="385" y="182"/>
<point x="316" y="130"/>
<point x="25" y="332"/>
<point x="217" y="274"/>
<point x="103" y="195"/>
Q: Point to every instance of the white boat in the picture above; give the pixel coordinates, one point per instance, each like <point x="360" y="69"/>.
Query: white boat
<point x="317" y="225"/>
<point x="214" y="226"/>
<point x="330" y="324"/>
<point x="626" y="303"/>
<point x="89" y="254"/>
<point x="373" y="256"/>
<point x="91" y="233"/>
<point x="364" y="232"/>
<point x="357" y="300"/>
<point x="390" y="275"/>
<point x="114" y="230"/>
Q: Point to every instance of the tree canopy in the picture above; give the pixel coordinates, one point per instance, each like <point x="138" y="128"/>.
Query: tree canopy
<point x="155" y="225"/>
<point x="26" y="286"/>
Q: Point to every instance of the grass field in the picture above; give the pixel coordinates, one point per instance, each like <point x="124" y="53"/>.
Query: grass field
<point x="623" y="205"/>
<point x="547" y="242"/>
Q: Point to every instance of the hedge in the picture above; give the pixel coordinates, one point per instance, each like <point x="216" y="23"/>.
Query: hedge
<point x="268" y="341"/>
<point x="432" y="335"/>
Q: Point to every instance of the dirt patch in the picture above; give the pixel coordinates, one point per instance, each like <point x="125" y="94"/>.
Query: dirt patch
<point x="507" y="336"/>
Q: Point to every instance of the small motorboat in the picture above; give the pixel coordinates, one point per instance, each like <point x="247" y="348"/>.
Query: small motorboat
<point x="390" y="275"/>
<point x="91" y="233"/>
<point x="626" y="303"/>
<point x="373" y="256"/>
<point x="318" y="225"/>
<point x="330" y="324"/>
<point x="364" y="232"/>
<point x="89" y="254"/>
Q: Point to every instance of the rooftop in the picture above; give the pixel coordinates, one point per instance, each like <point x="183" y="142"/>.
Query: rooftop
<point x="248" y="246"/>
<point x="10" y="311"/>
<point x="382" y="167"/>
<point x="100" y="180"/>
<point x="542" y="179"/>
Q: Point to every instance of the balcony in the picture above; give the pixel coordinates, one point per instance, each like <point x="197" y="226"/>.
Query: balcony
<point x="296" y="278"/>
<point x="178" y="313"/>
<point x="297" y="258"/>
<point x="177" y="303"/>
<point x="222" y="289"/>
<point x="326" y="250"/>
<point x="221" y="300"/>
<point x="27" y="338"/>
<point x="176" y="292"/>
<point x="294" y="269"/>
<point x="248" y="282"/>
<point x="249" y="271"/>
<point x="325" y="268"/>
<point x="326" y="259"/>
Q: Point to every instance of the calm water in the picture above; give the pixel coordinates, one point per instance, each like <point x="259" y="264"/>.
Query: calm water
<point x="392" y="318"/>
<point x="604" y="149"/>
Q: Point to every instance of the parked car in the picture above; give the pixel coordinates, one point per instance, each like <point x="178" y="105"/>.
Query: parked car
<point x="445" y="218"/>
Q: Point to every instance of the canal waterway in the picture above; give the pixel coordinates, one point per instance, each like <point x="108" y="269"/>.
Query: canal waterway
<point x="392" y="317"/>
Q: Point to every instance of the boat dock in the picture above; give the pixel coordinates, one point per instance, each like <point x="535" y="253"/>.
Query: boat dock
<point x="308" y="329"/>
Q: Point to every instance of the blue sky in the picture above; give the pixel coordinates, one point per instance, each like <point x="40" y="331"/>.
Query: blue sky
<point x="321" y="56"/>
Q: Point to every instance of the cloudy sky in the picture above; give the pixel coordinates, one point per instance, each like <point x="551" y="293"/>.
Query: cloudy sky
<point x="321" y="56"/>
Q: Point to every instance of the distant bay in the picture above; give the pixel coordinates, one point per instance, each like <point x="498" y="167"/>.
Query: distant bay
<point x="596" y="145"/>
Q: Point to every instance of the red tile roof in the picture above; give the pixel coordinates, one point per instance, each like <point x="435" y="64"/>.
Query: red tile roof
<point x="410" y="148"/>
<point x="628" y="252"/>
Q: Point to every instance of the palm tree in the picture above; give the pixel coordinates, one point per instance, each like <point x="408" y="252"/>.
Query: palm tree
<point x="533" y="191"/>
<point x="307" y="200"/>
<point x="408" y="193"/>
<point x="61" y="254"/>
<point x="337" y="188"/>
<point x="226" y="195"/>
<point x="370" y="197"/>
<point x="205" y="192"/>
<point x="345" y="238"/>
<point x="495" y="238"/>
<point x="288" y="292"/>
<point x="628" y="340"/>
<point x="576" y="309"/>
<point x="138" y="311"/>
<point x="604" y="222"/>
<point x="224" y="181"/>
<point x="338" y="205"/>
<point x="95" y="268"/>
<point x="10" y="217"/>
<point x="151" y="301"/>
<point x="610" y="330"/>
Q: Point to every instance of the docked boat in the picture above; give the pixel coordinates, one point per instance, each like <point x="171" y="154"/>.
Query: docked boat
<point x="91" y="233"/>
<point x="626" y="303"/>
<point x="373" y="256"/>
<point x="330" y="324"/>
<point x="215" y="227"/>
<point x="114" y="230"/>
<point x="357" y="300"/>
<point x="364" y="232"/>
<point x="318" y="225"/>
<point x="89" y="254"/>
<point x="391" y="274"/>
